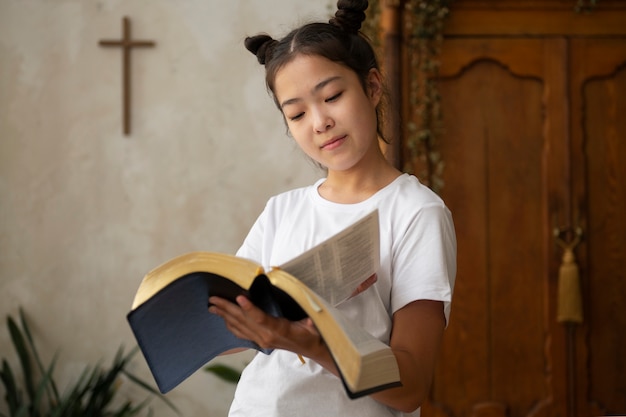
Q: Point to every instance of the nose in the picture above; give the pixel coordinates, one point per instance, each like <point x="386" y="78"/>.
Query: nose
<point x="322" y="121"/>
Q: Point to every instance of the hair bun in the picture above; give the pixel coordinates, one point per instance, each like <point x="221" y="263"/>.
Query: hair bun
<point x="350" y="15"/>
<point x="261" y="46"/>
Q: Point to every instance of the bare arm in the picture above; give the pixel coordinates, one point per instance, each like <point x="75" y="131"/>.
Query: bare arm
<point x="415" y="340"/>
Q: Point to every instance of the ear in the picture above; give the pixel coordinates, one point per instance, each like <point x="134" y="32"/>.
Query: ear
<point x="374" y="86"/>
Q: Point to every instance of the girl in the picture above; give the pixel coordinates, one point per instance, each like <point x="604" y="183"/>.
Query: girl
<point x="325" y="80"/>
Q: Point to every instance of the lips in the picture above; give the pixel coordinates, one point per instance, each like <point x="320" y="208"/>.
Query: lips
<point x="333" y="143"/>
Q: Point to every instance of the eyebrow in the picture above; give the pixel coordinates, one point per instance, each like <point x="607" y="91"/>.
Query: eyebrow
<point x="317" y="87"/>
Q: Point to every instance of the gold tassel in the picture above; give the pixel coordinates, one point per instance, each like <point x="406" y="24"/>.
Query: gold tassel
<point x="570" y="301"/>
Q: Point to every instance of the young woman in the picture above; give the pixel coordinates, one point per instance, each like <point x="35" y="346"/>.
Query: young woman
<point x="325" y="80"/>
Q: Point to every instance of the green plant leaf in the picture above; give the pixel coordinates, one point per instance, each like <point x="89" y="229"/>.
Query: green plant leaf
<point x="151" y="390"/>
<point x="12" y="394"/>
<point x="51" y="387"/>
<point x="23" y="354"/>
<point x="91" y="395"/>
<point x="41" y="393"/>
<point x="224" y="372"/>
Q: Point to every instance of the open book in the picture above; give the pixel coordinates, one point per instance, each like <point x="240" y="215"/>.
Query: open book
<point x="177" y="335"/>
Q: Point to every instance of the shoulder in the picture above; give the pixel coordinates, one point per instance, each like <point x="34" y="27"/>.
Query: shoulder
<point x="289" y="201"/>
<point x="295" y="194"/>
<point x="410" y="209"/>
<point x="407" y="192"/>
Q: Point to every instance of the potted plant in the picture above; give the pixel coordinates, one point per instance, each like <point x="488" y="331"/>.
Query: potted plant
<point x="94" y="393"/>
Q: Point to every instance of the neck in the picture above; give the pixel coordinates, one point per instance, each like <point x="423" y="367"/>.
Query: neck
<point x="358" y="183"/>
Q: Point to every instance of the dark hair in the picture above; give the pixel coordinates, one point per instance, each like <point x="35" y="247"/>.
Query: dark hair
<point x="339" y="40"/>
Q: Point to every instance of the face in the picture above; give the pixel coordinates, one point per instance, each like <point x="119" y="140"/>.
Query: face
<point x="328" y="112"/>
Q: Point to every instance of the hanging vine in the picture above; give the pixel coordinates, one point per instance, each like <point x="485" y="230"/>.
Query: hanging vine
<point x="371" y="26"/>
<point x="585" y="5"/>
<point x="424" y="26"/>
<point x="424" y="20"/>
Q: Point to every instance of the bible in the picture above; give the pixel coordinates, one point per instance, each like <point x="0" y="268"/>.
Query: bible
<point x="177" y="335"/>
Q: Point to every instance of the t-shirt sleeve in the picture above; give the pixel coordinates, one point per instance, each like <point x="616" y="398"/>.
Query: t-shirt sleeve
<point x="259" y="241"/>
<point x="424" y="260"/>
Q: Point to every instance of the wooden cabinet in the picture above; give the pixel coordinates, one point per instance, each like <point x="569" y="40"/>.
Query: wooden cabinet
<point x="534" y="141"/>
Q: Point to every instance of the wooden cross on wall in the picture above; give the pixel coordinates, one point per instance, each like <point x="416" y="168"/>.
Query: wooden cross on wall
<point x="126" y="43"/>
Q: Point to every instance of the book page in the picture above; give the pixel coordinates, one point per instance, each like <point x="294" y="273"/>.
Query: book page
<point x="336" y="267"/>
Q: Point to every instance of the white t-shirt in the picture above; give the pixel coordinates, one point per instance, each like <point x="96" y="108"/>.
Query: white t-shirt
<point x="418" y="261"/>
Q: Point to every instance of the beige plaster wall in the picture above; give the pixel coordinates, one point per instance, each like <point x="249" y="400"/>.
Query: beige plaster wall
<point x="85" y="211"/>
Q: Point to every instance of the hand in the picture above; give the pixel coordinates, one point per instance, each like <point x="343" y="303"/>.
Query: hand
<point x="365" y="285"/>
<point x="247" y="321"/>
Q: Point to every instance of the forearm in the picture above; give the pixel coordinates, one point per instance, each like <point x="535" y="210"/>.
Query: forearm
<point x="407" y="398"/>
<point x="416" y="381"/>
<point x="319" y="353"/>
<point x="415" y="341"/>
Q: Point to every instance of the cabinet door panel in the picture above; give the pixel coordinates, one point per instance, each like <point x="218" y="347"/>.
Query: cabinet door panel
<point x="534" y="140"/>
<point x="494" y="152"/>
<point x="599" y="91"/>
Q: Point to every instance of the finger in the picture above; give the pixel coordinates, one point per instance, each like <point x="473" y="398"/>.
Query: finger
<point x="219" y="302"/>
<point x="246" y="321"/>
<point x="308" y="323"/>
<point x="226" y="309"/>
<point x="233" y="307"/>
<point x="245" y="304"/>
<point x="242" y="318"/>
<point x="234" y="318"/>
<point x="365" y="285"/>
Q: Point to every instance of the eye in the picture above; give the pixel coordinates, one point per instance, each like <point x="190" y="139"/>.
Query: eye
<point x="296" y="117"/>
<point x="334" y="97"/>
